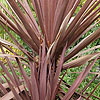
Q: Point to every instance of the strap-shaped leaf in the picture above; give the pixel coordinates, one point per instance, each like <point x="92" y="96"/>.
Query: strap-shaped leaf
<point x="80" y="61"/>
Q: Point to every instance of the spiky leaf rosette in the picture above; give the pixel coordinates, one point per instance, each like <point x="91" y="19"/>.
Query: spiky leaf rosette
<point x="49" y="35"/>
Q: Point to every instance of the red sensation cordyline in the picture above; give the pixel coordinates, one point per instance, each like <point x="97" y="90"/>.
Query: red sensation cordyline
<point x="49" y="35"/>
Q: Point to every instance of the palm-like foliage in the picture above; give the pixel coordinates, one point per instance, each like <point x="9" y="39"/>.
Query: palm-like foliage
<point x="49" y="39"/>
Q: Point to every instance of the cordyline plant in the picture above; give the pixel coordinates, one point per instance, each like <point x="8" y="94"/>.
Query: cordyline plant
<point x="49" y="38"/>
